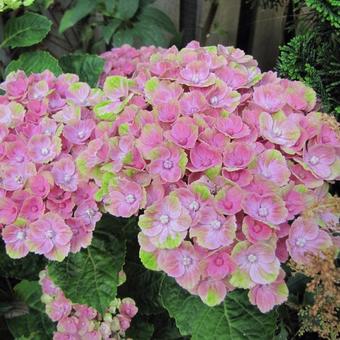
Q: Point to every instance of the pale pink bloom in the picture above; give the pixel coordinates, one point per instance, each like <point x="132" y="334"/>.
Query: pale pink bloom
<point x="272" y="165"/>
<point x="15" y="85"/>
<point x="279" y="129"/>
<point x="319" y="159"/>
<point x="168" y="162"/>
<point x="38" y="185"/>
<point x="63" y="208"/>
<point x="64" y="173"/>
<point x="15" y="240"/>
<point x="265" y="297"/>
<point x="214" y="138"/>
<point x="154" y="192"/>
<point x="88" y="212"/>
<point x="269" y="97"/>
<point x="212" y="292"/>
<point x="237" y="156"/>
<point x="203" y="157"/>
<point x="228" y="200"/>
<point x="281" y="251"/>
<point x="214" y="230"/>
<point x="151" y="137"/>
<point x="192" y="102"/>
<point x="255" y="231"/>
<point x="81" y="234"/>
<point x="268" y="208"/>
<point x="42" y="148"/>
<point x="241" y="177"/>
<point x="183" y="132"/>
<point x="128" y="308"/>
<point x="219" y="265"/>
<point x="13" y="177"/>
<point x="305" y="237"/>
<point x="299" y="96"/>
<point x="68" y="325"/>
<point x="256" y="262"/>
<point x="50" y="236"/>
<point x="233" y="74"/>
<point x="166" y="222"/>
<point x="32" y="208"/>
<point x="296" y="200"/>
<point x="77" y="132"/>
<point x="125" y="199"/>
<point x="232" y="126"/>
<point x="16" y="152"/>
<point x="305" y="176"/>
<point x="8" y="210"/>
<point x="182" y="264"/>
<point x="197" y="74"/>
<point x="59" y="308"/>
<point x="79" y="92"/>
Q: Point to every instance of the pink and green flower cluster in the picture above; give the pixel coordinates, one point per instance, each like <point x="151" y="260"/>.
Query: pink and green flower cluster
<point x="221" y="162"/>
<point x="46" y="205"/>
<point x="76" y="321"/>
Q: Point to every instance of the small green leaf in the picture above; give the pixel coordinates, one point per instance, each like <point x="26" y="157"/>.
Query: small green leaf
<point x="91" y="276"/>
<point x="88" y="67"/>
<point x="109" y="29"/>
<point x="25" y="30"/>
<point x="124" y="36"/>
<point x="35" y="62"/>
<point x="36" y="321"/>
<point x="234" y="319"/>
<point x="126" y="9"/>
<point x="78" y="12"/>
<point x="159" y="18"/>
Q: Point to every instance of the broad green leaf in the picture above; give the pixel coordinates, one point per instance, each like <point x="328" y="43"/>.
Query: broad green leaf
<point x="35" y="62"/>
<point x="76" y="13"/>
<point x="150" y="34"/>
<point x="126" y="9"/>
<point x="124" y="36"/>
<point x="158" y="18"/>
<point x="140" y="329"/>
<point x="27" y="267"/>
<point x="109" y="29"/>
<point x="91" y="276"/>
<point x="25" y="30"/>
<point x="35" y="322"/>
<point x="234" y="319"/>
<point x="88" y="67"/>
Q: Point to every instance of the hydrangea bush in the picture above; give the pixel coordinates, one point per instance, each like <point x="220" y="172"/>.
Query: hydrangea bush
<point x="227" y="167"/>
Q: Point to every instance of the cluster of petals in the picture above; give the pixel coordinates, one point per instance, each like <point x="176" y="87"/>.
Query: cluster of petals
<point x="81" y="322"/>
<point x="220" y="162"/>
<point x="46" y="206"/>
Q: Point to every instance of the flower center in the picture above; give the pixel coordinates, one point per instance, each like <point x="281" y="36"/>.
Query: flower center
<point x="67" y="178"/>
<point x="164" y="219"/>
<point x="45" y="151"/>
<point x="34" y="208"/>
<point x="219" y="261"/>
<point x="216" y="224"/>
<point x="214" y="100"/>
<point x="20" y="235"/>
<point x="195" y="79"/>
<point x="194" y="206"/>
<point x="81" y="134"/>
<point x="228" y="205"/>
<point x="252" y="258"/>
<point x="314" y="160"/>
<point x="300" y="242"/>
<point x="19" y="179"/>
<point x="90" y="212"/>
<point x="257" y="228"/>
<point x="263" y="212"/>
<point x="187" y="261"/>
<point x="50" y="234"/>
<point x="168" y="164"/>
<point x="277" y="132"/>
<point x="130" y="198"/>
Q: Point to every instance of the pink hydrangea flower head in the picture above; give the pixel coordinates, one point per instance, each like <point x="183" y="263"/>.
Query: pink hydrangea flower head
<point x="305" y="237"/>
<point x="219" y="265"/>
<point x="65" y="174"/>
<point x="78" y="92"/>
<point x="8" y="210"/>
<point x="269" y="97"/>
<point x="203" y="157"/>
<point x="237" y="156"/>
<point x="269" y="208"/>
<point x="166" y="223"/>
<point x="212" y="292"/>
<point x="182" y="264"/>
<point x="255" y="231"/>
<point x="59" y="308"/>
<point x="43" y="149"/>
<point x="81" y="234"/>
<point x="32" y="208"/>
<point x="265" y="297"/>
<point x="256" y="264"/>
<point x="49" y="236"/>
<point x="214" y="230"/>
<point x="232" y="126"/>
<point x="15" y="240"/>
<point x="228" y="200"/>
<point x="192" y="102"/>
<point x="77" y="132"/>
<point x="168" y="162"/>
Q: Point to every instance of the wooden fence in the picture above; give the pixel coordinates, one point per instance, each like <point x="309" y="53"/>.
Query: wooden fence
<point x="263" y="28"/>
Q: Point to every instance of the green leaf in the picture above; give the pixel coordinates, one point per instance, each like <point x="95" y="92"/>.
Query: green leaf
<point x="126" y="9"/>
<point x="87" y="66"/>
<point x="35" y="62"/>
<point x="36" y="321"/>
<point x="26" y="30"/>
<point x="140" y="329"/>
<point x="27" y="267"/>
<point x="234" y="319"/>
<point x="159" y="18"/>
<point x="109" y="29"/>
<point x="124" y="36"/>
<point x="150" y="34"/>
<point x="76" y="13"/>
<point x="91" y="276"/>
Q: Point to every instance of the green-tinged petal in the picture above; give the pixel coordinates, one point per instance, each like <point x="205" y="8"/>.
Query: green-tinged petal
<point x="183" y="161"/>
<point x="240" y="246"/>
<point x="202" y="190"/>
<point x="145" y="221"/>
<point x="150" y="86"/>
<point x="212" y="298"/>
<point x="20" y="222"/>
<point x="240" y="279"/>
<point x="123" y="129"/>
<point x="172" y="242"/>
<point x="114" y="84"/>
<point x="213" y="172"/>
<point x="282" y="290"/>
<point x="148" y="259"/>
